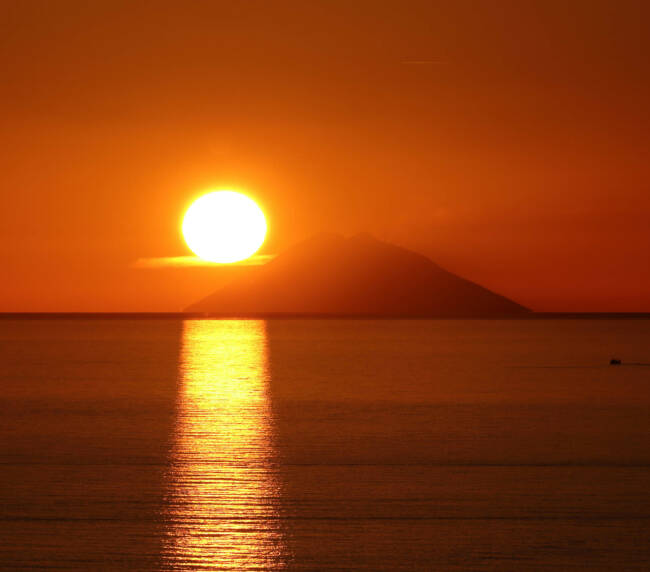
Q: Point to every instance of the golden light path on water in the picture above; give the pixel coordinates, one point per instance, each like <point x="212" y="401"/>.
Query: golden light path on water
<point x="222" y="505"/>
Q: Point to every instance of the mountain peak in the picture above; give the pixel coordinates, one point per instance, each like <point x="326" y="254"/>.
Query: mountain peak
<point x="363" y="237"/>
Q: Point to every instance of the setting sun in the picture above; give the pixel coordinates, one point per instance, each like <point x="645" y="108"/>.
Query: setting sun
<point x="224" y="227"/>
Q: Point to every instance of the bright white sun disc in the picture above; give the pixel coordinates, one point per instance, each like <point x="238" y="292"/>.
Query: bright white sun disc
<point x="224" y="226"/>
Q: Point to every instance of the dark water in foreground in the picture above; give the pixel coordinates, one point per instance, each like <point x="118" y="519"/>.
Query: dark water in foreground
<point x="312" y="445"/>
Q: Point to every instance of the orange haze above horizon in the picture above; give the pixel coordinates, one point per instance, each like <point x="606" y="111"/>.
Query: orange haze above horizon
<point x="507" y="141"/>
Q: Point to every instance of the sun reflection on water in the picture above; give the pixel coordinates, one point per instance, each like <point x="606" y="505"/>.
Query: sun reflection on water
<point x="223" y="493"/>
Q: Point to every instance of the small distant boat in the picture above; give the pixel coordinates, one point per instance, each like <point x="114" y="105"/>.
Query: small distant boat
<point x="614" y="361"/>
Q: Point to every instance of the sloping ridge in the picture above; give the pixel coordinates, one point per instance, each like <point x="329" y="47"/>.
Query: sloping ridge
<point x="359" y="276"/>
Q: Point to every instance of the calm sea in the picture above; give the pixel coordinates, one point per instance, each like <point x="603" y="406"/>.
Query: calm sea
<point x="324" y="445"/>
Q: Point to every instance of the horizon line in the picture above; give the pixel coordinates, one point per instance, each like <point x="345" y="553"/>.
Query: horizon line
<point x="293" y="315"/>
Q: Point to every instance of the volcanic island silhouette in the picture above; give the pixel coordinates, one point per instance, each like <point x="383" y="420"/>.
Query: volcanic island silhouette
<point x="330" y="275"/>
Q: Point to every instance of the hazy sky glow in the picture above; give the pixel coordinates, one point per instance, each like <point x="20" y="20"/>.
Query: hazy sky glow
<point x="508" y="141"/>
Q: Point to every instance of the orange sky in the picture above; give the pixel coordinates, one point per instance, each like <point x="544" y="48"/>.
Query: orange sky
<point x="508" y="141"/>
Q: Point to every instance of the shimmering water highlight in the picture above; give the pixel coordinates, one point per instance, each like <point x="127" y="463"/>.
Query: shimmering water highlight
<point x="222" y="500"/>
